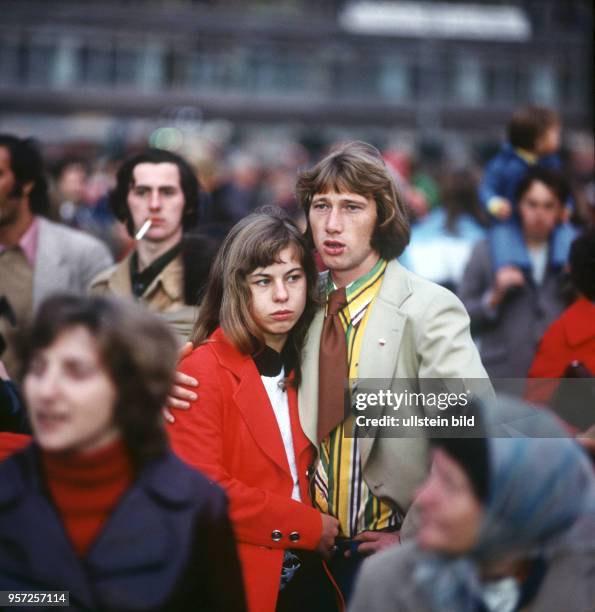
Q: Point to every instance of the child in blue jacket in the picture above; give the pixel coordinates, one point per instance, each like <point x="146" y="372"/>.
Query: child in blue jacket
<point x="533" y="139"/>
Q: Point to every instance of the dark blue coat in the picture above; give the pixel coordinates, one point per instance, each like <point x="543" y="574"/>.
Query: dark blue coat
<point x="168" y="545"/>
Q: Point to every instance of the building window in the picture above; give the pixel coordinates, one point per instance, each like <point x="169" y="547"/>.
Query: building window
<point x="394" y="81"/>
<point x="468" y="82"/>
<point x="97" y="65"/>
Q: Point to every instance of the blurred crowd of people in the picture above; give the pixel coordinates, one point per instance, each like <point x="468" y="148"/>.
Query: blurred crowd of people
<point x="364" y="264"/>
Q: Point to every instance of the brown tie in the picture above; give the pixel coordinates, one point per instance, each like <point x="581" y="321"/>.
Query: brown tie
<point x="332" y="366"/>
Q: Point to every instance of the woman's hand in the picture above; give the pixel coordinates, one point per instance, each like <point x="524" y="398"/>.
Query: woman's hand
<point x="330" y="530"/>
<point x="179" y="397"/>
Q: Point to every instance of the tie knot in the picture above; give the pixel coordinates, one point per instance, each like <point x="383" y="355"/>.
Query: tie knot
<point x="337" y="299"/>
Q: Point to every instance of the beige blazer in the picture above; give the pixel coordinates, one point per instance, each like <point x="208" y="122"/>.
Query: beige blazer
<point x="416" y="330"/>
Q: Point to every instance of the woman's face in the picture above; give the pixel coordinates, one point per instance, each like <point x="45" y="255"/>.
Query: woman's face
<point x="451" y="515"/>
<point x="70" y="395"/>
<point x="278" y="297"/>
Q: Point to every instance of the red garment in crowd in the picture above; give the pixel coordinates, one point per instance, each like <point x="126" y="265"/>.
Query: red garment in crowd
<point x="231" y="434"/>
<point x="85" y="489"/>
<point x="569" y="338"/>
<point x="11" y="443"/>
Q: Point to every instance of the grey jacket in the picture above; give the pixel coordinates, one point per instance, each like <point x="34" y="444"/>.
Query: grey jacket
<point x="385" y="584"/>
<point x="66" y="260"/>
<point x="508" y="337"/>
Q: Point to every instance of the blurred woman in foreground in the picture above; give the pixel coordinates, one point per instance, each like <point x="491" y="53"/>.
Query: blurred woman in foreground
<point x="507" y="524"/>
<point x="98" y="505"/>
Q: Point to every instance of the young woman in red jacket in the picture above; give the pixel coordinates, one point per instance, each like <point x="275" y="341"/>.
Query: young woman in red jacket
<point x="243" y="430"/>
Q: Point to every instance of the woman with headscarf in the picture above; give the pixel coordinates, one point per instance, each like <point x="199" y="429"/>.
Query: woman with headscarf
<point x="507" y="523"/>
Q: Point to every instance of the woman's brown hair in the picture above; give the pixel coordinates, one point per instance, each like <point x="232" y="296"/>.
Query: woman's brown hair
<point x="254" y="242"/>
<point x="138" y="351"/>
<point x="358" y="167"/>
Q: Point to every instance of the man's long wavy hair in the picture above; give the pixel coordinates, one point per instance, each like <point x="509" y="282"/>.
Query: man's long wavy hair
<point x="254" y="242"/>
<point x="358" y="167"/>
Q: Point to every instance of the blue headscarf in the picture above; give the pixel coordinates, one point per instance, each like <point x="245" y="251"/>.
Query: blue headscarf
<point x="541" y="503"/>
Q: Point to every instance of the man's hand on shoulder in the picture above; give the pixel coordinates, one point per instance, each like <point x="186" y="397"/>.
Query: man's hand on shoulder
<point x="179" y="397"/>
<point x="3" y="373"/>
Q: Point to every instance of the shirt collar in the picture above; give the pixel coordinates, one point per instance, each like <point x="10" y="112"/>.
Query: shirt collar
<point x="358" y="296"/>
<point x="141" y="281"/>
<point x="353" y="286"/>
<point x="527" y="156"/>
<point x="28" y="242"/>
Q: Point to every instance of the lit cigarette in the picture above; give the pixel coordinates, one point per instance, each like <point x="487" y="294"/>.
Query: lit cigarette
<point x="143" y="230"/>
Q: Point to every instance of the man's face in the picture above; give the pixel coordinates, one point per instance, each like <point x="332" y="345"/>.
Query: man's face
<point x="540" y="211"/>
<point x="342" y="226"/>
<point x="9" y="202"/>
<point x="156" y="194"/>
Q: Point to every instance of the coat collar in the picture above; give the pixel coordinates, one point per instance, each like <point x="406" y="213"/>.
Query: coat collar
<point x="169" y="280"/>
<point x="153" y="477"/>
<point x="228" y="355"/>
<point x="115" y="279"/>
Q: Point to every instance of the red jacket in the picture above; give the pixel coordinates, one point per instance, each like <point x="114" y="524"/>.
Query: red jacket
<point x="231" y="434"/>
<point x="11" y="443"/>
<point x="569" y="338"/>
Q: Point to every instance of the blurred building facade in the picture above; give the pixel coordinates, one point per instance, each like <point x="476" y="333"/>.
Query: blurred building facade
<point x="348" y="63"/>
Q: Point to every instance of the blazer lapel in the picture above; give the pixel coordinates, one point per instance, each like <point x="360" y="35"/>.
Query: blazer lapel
<point x="301" y="443"/>
<point x="115" y="550"/>
<point x="377" y="360"/>
<point x="308" y="391"/>
<point x="252" y="400"/>
<point x="382" y="338"/>
<point x="253" y="403"/>
<point x="58" y="566"/>
<point x="50" y="273"/>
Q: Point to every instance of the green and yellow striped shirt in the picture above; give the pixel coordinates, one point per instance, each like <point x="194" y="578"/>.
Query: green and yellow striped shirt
<point x="339" y="486"/>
